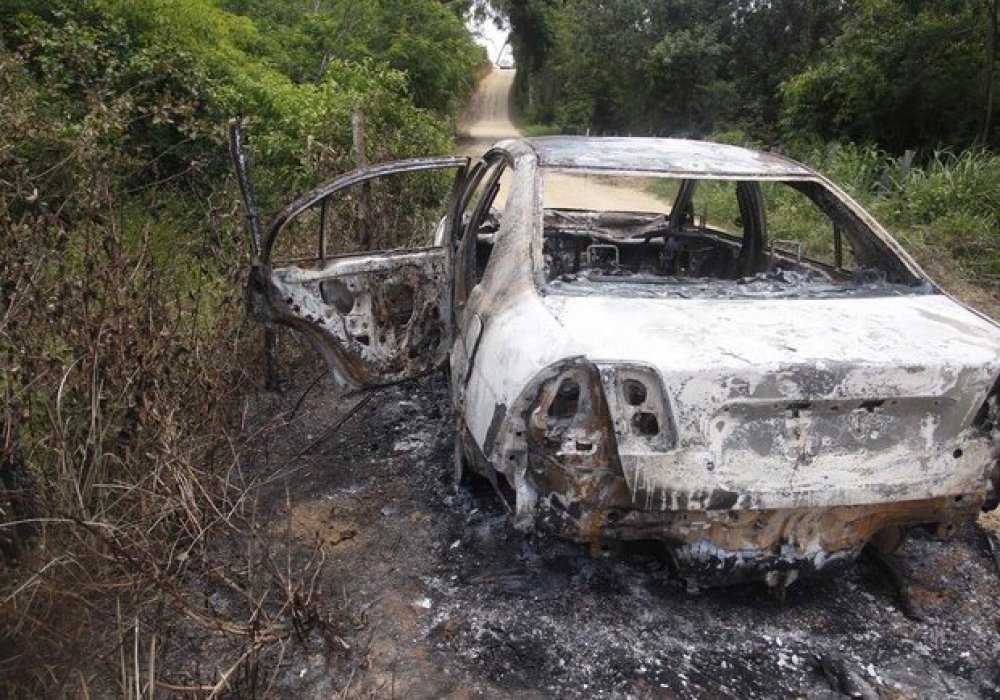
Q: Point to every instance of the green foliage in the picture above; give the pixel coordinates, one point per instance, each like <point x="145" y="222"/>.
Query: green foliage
<point x="123" y="343"/>
<point x="950" y="183"/>
<point x="903" y="75"/>
<point x="173" y="71"/>
<point x="769" y="43"/>
<point x="112" y="131"/>
<point x="952" y="205"/>
<point x="423" y="39"/>
<point x="540" y="130"/>
<point x="683" y="67"/>
<point x="684" y="64"/>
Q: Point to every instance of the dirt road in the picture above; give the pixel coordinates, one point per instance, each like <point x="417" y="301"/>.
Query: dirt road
<point x="487" y="120"/>
<point x="487" y="117"/>
<point x="433" y="594"/>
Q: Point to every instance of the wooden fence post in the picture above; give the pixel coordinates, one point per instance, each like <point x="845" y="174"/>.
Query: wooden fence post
<point x="362" y="213"/>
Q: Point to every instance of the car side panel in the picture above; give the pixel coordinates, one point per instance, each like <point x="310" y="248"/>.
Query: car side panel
<point x="515" y="336"/>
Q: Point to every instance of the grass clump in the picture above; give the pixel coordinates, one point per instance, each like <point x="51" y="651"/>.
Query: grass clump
<point x="945" y="211"/>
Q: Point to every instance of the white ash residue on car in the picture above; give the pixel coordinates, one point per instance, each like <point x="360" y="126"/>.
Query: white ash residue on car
<point x="780" y="284"/>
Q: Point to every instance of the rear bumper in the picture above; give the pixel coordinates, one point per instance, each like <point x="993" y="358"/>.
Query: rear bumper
<point x="745" y="479"/>
<point x="701" y="478"/>
<point x="726" y="547"/>
<point x="715" y="546"/>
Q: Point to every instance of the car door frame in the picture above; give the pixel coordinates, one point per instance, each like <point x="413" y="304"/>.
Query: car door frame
<point x="295" y="295"/>
<point x="469" y="326"/>
<point x="464" y="246"/>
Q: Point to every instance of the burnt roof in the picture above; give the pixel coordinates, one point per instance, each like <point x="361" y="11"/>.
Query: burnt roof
<point x="678" y="156"/>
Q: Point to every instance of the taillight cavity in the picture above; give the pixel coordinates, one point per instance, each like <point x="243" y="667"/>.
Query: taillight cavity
<point x="641" y="407"/>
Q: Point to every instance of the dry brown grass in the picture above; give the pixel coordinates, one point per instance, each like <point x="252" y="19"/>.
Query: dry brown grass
<point x="133" y="556"/>
<point x="942" y="269"/>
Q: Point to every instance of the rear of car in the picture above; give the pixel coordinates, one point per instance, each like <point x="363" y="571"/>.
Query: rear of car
<point x="754" y="447"/>
<point x="764" y="382"/>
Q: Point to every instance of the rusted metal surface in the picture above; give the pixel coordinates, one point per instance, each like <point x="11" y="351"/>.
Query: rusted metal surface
<point x="376" y="318"/>
<point x="569" y="449"/>
<point x="375" y="321"/>
<point x="634" y="376"/>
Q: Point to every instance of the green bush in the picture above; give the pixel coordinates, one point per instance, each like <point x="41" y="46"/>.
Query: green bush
<point x="123" y="343"/>
<point x="903" y="75"/>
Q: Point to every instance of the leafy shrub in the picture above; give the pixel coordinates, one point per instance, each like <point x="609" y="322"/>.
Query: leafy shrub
<point x="123" y="344"/>
<point x="903" y="75"/>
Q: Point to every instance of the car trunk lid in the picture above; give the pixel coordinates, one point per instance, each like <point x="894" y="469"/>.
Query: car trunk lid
<point x="795" y="403"/>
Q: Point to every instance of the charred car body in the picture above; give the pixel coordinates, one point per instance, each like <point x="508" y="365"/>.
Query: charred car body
<point x="756" y="374"/>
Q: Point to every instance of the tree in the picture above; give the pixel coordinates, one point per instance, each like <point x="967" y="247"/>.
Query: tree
<point x="902" y="75"/>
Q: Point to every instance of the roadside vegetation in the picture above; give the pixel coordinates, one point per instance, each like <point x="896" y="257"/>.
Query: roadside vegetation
<point x="133" y="553"/>
<point x="897" y="101"/>
<point x="945" y="210"/>
<point x="124" y="353"/>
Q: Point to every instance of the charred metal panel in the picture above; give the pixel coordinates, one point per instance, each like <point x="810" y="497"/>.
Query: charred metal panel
<point x="761" y="411"/>
<point x="561" y="457"/>
<point x="566" y="451"/>
<point x="571" y="452"/>
<point x="722" y="547"/>
<point x="735" y="442"/>
<point x="756" y="433"/>
<point x="518" y="336"/>
<point x="375" y="319"/>
<point x="666" y="156"/>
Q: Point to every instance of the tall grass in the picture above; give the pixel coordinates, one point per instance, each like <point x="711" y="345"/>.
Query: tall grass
<point x="946" y="210"/>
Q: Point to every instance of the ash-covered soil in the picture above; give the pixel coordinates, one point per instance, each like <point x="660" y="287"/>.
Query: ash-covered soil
<point x="445" y="599"/>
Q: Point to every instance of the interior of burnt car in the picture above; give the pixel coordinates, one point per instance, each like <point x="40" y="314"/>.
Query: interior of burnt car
<point x="723" y="230"/>
<point x="715" y="230"/>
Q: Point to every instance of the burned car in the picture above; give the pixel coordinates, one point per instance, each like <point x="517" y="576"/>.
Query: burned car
<point x="670" y="340"/>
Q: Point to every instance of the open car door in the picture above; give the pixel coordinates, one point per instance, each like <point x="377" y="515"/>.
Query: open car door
<point x="376" y="317"/>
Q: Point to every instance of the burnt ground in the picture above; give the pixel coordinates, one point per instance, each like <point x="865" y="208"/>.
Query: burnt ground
<point x="436" y="595"/>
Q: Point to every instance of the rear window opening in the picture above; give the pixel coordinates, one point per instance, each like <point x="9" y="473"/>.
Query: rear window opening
<point x="711" y="238"/>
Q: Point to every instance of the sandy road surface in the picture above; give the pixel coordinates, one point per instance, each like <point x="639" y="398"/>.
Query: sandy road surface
<point x="487" y="116"/>
<point x="487" y="120"/>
